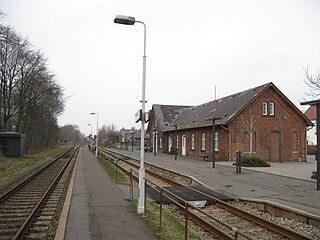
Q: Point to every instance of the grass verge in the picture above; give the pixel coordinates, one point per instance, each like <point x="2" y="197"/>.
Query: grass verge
<point x="11" y="165"/>
<point x="172" y="227"/>
<point x="115" y="174"/>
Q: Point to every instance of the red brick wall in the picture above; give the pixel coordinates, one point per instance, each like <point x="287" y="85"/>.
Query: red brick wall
<point x="152" y="128"/>
<point x="267" y="129"/>
<point x="265" y="126"/>
<point x="221" y="154"/>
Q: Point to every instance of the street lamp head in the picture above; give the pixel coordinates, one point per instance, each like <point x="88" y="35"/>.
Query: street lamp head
<point x="126" y="20"/>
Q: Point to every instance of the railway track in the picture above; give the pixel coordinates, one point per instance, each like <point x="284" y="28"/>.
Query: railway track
<point x="163" y="177"/>
<point x="29" y="210"/>
<point x="221" y="220"/>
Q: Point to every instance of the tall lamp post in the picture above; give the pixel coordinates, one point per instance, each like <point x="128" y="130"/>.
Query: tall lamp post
<point x="127" y="20"/>
<point x="95" y="113"/>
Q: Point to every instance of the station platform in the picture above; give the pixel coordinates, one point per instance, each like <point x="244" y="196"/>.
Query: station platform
<point x="288" y="183"/>
<point x="98" y="209"/>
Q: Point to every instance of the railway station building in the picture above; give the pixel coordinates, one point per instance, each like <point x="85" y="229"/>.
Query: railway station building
<point x="131" y="138"/>
<point x="260" y="121"/>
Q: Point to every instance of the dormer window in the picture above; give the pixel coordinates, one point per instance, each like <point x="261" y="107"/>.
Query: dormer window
<point x="264" y="108"/>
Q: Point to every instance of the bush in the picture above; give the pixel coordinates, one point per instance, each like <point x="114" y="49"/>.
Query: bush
<point x="173" y="151"/>
<point x="314" y="174"/>
<point x="246" y="160"/>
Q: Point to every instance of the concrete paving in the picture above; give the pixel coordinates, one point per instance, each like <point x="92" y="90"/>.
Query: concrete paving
<point x="98" y="208"/>
<point x="287" y="183"/>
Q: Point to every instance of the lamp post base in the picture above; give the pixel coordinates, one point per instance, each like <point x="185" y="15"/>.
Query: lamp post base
<point x="140" y="209"/>
<point x="141" y="200"/>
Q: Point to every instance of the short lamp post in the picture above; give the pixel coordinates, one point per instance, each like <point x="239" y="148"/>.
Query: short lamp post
<point x="155" y="141"/>
<point x="317" y="104"/>
<point x="95" y="113"/>
<point x="131" y="132"/>
<point x="282" y="118"/>
<point x="127" y="20"/>
<point x="175" y="141"/>
<point x="213" y="119"/>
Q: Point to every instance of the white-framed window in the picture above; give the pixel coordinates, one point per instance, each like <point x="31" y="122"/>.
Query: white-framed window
<point x="160" y="142"/>
<point x="271" y="108"/>
<point x="203" y="141"/>
<point x="177" y="141"/>
<point x="216" y="142"/>
<point x="264" y="108"/>
<point x="192" y="141"/>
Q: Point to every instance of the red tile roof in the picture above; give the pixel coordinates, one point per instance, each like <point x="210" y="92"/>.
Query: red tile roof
<point x="311" y="113"/>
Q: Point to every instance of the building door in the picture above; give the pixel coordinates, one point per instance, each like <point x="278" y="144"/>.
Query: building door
<point x="275" y="146"/>
<point x="184" y="144"/>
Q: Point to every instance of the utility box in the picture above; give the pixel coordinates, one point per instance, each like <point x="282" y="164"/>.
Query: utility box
<point x="12" y="144"/>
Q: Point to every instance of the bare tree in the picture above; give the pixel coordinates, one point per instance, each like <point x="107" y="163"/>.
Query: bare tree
<point x="30" y="98"/>
<point x="108" y="135"/>
<point x="313" y="82"/>
<point x="70" y="133"/>
<point x="248" y="126"/>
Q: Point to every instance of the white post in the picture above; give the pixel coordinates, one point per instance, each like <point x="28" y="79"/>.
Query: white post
<point x="93" y="113"/>
<point x="141" y="202"/>
<point x="97" y="137"/>
<point x="127" y="20"/>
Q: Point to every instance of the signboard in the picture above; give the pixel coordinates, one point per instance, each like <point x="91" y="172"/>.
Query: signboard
<point x="138" y="116"/>
<point x="148" y="116"/>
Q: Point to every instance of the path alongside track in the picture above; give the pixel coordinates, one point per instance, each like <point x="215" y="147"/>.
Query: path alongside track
<point x="98" y="208"/>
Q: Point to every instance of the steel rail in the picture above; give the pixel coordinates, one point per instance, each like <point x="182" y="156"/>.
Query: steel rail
<point x="24" y="227"/>
<point x="203" y="223"/>
<point x="167" y="180"/>
<point x="264" y="222"/>
<point x="8" y="193"/>
<point x="146" y="164"/>
<point x="112" y="161"/>
<point x="126" y="160"/>
<point x="254" y="218"/>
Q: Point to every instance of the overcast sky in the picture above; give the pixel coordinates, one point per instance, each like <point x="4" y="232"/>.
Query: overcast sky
<point x="192" y="46"/>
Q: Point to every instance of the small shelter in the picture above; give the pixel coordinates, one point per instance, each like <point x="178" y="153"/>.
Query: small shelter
<point x="12" y="144"/>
